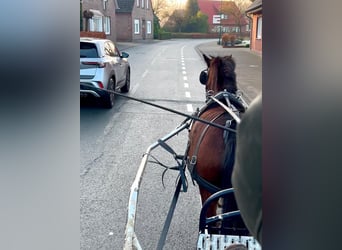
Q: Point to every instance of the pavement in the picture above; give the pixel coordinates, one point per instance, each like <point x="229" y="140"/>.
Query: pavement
<point x="126" y="45"/>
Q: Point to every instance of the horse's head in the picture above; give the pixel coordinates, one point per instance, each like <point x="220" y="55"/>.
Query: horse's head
<point x="221" y="74"/>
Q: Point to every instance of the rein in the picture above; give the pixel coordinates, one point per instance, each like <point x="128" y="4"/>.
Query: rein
<point x="175" y="111"/>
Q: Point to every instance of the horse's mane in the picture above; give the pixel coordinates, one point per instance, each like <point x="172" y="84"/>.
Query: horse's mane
<point x="221" y="74"/>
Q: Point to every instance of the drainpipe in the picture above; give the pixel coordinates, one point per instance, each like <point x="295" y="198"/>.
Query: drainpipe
<point x="81" y="16"/>
<point x="220" y="34"/>
<point x="251" y="29"/>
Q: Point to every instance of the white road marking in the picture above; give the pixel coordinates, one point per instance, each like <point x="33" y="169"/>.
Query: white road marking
<point x="182" y="51"/>
<point x="186" y="84"/>
<point x="144" y="74"/>
<point x="136" y="85"/>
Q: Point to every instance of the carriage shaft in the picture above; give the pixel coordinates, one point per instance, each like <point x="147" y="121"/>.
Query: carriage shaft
<point x="131" y="241"/>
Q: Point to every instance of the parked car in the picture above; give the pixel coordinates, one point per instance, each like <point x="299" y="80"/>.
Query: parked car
<point x="237" y="41"/>
<point x="103" y="67"/>
<point x="246" y="43"/>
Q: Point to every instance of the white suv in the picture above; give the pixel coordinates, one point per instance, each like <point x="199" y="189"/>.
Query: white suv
<point x="103" y="67"/>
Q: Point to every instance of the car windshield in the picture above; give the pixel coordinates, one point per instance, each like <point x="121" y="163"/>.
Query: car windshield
<point x="88" y="50"/>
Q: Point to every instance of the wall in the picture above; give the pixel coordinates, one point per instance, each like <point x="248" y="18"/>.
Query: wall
<point x="124" y="27"/>
<point x="142" y="14"/>
<point x="256" y="44"/>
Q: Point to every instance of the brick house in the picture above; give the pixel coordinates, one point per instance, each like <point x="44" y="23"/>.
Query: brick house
<point x="134" y="20"/>
<point x="102" y="14"/>
<point x="221" y="22"/>
<point x="254" y="11"/>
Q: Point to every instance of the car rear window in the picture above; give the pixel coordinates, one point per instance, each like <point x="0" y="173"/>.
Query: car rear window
<point x="88" y="50"/>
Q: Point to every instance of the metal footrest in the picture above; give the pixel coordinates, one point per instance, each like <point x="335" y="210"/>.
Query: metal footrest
<point x="220" y="242"/>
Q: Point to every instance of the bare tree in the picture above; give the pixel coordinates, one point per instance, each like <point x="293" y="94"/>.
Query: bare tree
<point x="236" y="9"/>
<point x="163" y="9"/>
<point x="159" y="6"/>
<point x="243" y="4"/>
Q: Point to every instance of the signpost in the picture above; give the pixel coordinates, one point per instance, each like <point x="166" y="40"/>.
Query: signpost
<point x="217" y="20"/>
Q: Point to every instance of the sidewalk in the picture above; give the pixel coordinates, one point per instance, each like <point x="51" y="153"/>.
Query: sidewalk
<point x="126" y="45"/>
<point x="214" y="48"/>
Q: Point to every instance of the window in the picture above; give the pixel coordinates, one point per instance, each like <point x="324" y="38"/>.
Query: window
<point x="95" y="23"/>
<point x="110" y="49"/>
<point x="147" y="4"/>
<point x="235" y="29"/>
<point x="88" y="50"/>
<point x="136" y="26"/>
<point x="142" y="3"/>
<point x="248" y="28"/>
<point x="105" y="4"/>
<point x="259" y="28"/>
<point x="107" y="25"/>
<point x="138" y="3"/>
<point x="149" y="27"/>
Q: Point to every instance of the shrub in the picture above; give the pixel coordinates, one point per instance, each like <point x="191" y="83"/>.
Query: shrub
<point x="164" y="35"/>
<point x="228" y="39"/>
<point x="225" y="39"/>
<point x="232" y="39"/>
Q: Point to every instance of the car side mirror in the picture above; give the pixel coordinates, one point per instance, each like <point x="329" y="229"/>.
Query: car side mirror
<point x="124" y="55"/>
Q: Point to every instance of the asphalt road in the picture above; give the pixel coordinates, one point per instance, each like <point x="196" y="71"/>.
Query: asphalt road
<point x="113" y="142"/>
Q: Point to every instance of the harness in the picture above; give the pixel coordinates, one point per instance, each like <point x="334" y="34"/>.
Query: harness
<point x="234" y="105"/>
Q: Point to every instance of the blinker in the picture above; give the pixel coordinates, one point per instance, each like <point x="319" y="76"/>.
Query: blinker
<point x="203" y="78"/>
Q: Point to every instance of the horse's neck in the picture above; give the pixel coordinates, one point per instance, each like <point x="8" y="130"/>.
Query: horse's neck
<point x="231" y="88"/>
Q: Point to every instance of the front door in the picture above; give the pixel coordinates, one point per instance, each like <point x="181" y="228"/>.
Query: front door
<point x="143" y="29"/>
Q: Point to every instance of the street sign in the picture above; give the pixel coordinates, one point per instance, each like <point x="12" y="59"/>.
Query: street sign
<point x="216" y="19"/>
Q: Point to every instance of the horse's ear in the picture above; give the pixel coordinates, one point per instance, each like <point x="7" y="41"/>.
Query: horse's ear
<point x="207" y="60"/>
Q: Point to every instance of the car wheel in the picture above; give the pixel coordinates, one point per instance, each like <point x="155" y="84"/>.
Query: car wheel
<point x="109" y="98"/>
<point x="127" y="85"/>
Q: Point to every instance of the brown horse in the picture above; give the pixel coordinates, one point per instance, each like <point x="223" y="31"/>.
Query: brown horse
<point x="211" y="150"/>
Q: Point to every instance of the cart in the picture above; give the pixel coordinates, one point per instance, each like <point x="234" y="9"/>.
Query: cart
<point x="209" y="235"/>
